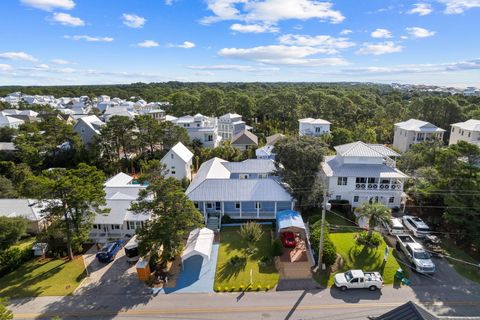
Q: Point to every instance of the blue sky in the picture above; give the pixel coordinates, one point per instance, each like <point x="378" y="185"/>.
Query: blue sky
<point x="122" y="41"/>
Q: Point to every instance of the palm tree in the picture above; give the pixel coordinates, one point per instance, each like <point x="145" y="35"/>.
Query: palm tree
<point x="375" y="213"/>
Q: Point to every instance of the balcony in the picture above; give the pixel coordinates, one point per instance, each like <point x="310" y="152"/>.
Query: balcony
<point x="379" y="186"/>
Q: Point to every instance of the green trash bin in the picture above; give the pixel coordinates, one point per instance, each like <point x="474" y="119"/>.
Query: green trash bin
<point x="399" y="274"/>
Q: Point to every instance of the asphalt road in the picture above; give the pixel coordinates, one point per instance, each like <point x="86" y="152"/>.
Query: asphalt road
<point x="321" y="304"/>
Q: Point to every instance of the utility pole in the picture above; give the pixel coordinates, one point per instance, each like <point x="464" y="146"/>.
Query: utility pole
<point x="324" y="209"/>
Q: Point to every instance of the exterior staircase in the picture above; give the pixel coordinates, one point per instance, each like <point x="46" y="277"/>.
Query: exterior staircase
<point x="213" y="223"/>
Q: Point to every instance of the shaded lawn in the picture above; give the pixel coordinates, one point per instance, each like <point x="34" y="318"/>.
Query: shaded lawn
<point x="25" y="243"/>
<point x="45" y="277"/>
<point x="231" y="244"/>
<point x="360" y="257"/>
<point x="467" y="271"/>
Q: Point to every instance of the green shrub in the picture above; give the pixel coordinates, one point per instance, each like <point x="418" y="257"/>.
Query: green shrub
<point x="277" y="248"/>
<point x="13" y="258"/>
<point x="374" y="241"/>
<point x="265" y="261"/>
<point x="259" y="287"/>
<point x="329" y="250"/>
<point x="313" y="219"/>
<point x="226" y="219"/>
<point x="237" y="261"/>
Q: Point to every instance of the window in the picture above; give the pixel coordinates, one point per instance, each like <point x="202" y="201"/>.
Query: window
<point x="237" y="205"/>
<point x="262" y="176"/>
<point x="453" y="129"/>
<point x="338" y="197"/>
<point x="391" y="199"/>
<point x="243" y="175"/>
<point x="360" y="180"/>
<point x="354" y="280"/>
<point x="317" y="129"/>
<point x="209" y="205"/>
<point x="258" y="205"/>
<point x="195" y="204"/>
<point x="355" y="198"/>
<point x="469" y="134"/>
<point x="342" y="181"/>
<point x="95" y="226"/>
<point x="372" y="180"/>
<point x="172" y="156"/>
<point x="172" y="170"/>
<point x="115" y="227"/>
<point x="218" y="206"/>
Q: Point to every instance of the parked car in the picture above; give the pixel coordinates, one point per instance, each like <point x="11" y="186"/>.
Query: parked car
<point x="357" y="279"/>
<point x="416" y="225"/>
<point x="288" y="239"/>
<point x="394" y="226"/>
<point x="416" y="254"/>
<point x="109" y="251"/>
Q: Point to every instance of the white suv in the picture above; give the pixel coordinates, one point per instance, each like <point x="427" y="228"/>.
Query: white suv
<point x="416" y="225"/>
<point x="394" y="226"/>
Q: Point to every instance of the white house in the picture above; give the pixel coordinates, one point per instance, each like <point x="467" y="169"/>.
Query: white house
<point x="10" y="122"/>
<point x="201" y="128"/>
<point x="245" y="140"/>
<point x="121" y="190"/>
<point x="313" y="127"/>
<point x="229" y="125"/>
<point x="88" y="128"/>
<point x="29" y="209"/>
<point x="468" y="131"/>
<point x="178" y="162"/>
<point x="362" y="172"/>
<point x="414" y="131"/>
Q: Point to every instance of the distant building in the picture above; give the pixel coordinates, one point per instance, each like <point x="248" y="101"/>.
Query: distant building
<point x="313" y="127"/>
<point x="29" y="209"/>
<point x="245" y="140"/>
<point x="271" y="140"/>
<point x="468" y="131"/>
<point x="88" y="128"/>
<point x="178" y="162"/>
<point x="201" y="128"/>
<point x="414" y="131"/>
<point x="10" y="122"/>
<point x="361" y="172"/>
<point x="265" y="152"/>
<point x="229" y="125"/>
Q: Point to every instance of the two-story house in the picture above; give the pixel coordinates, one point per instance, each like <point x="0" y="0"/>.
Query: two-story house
<point x="178" y="162"/>
<point x="414" y="131"/>
<point x="121" y="190"/>
<point x="229" y="125"/>
<point x="241" y="190"/>
<point x="468" y="131"/>
<point x="313" y="127"/>
<point x="201" y="128"/>
<point x="361" y="172"/>
<point x="88" y="128"/>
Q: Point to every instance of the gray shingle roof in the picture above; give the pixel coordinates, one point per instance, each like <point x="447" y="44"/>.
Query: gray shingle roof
<point x="407" y="311"/>
<point x="245" y="137"/>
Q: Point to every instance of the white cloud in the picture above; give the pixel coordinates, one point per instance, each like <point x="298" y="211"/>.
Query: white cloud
<point x="67" y="20"/>
<point x="43" y="66"/>
<point x="49" y="5"/>
<point x="327" y="44"/>
<point x="148" y="44"/>
<point x="252" y="28"/>
<point x="5" y="67"/>
<point x="184" y="45"/>
<point x="417" y="32"/>
<point x="133" y="21"/>
<point x="459" y="6"/>
<point x="233" y="67"/>
<point x="11" y="55"/>
<point x="168" y="2"/>
<point x="379" y="48"/>
<point x="60" y="61"/>
<point x="271" y="11"/>
<point x="345" y="32"/>
<point x="421" y="9"/>
<point x="89" y="38"/>
<point x="281" y="55"/>
<point x="381" y="33"/>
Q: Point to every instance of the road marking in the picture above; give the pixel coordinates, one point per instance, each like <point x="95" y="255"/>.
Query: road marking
<point x="179" y="311"/>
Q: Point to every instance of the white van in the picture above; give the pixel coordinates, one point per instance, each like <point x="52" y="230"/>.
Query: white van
<point x="394" y="226"/>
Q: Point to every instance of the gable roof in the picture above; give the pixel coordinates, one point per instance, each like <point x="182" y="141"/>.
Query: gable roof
<point x="358" y="149"/>
<point x="314" y="121"/>
<point x="180" y="150"/>
<point x="418" y="125"/>
<point x="231" y="116"/>
<point x="407" y="311"/>
<point x="274" y="138"/>
<point x="91" y="121"/>
<point x="250" y="166"/>
<point x="471" y="125"/>
<point x="266" y="150"/>
<point x="386" y="151"/>
<point x="245" y="137"/>
<point x="119" y="180"/>
<point x="30" y="209"/>
<point x="211" y="169"/>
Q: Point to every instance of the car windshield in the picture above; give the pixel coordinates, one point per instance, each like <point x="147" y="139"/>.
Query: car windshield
<point x="348" y="276"/>
<point x="423" y="229"/>
<point x="421" y="255"/>
<point x="107" y="247"/>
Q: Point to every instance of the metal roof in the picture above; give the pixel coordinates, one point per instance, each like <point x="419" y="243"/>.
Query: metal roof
<point x="200" y="242"/>
<point x="314" y="121"/>
<point x="358" y="149"/>
<point x="471" y="125"/>
<point x="120" y="179"/>
<point x="251" y="166"/>
<point x="418" y="125"/>
<point x="30" y="209"/>
<point x="289" y="218"/>
<point x="333" y="167"/>
<point x="180" y="150"/>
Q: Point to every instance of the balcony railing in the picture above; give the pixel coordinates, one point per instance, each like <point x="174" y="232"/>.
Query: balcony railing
<point x="378" y="186"/>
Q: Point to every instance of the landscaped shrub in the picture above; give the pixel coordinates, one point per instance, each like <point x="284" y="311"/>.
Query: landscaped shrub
<point x="265" y="261"/>
<point x="226" y="219"/>
<point x="13" y="258"/>
<point x="259" y="287"/>
<point x="329" y="250"/>
<point x="251" y="232"/>
<point x="277" y="248"/>
<point x="237" y="261"/>
<point x="374" y="241"/>
<point x="313" y="219"/>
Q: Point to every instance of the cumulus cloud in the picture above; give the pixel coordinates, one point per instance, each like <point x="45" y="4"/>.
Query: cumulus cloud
<point x="381" y="33"/>
<point x="49" y="5"/>
<point x="417" y="32"/>
<point x="233" y="67"/>
<point x="253" y="28"/>
<point x="67" y="20"/>
<point x="60" y="61"/>
<point x="379" y="48"/>
<point x="133" y="21"/>
<point x="148" y="44"/>
<point x="89" y="38"/>
<point x="5" y="67"/>
<point x="421" y="9"/>
<point x="281" y="55"/>
<point x="271" y="11"/>
<point x="327" y="44"/>
<point x="345" y="32"/>
<point x="459" y="6"/>
<point x="15" y="55"/>
<point x="184" y="45"/>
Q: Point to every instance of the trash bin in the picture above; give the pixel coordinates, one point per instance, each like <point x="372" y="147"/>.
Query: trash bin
<point x="143" y="269"/>
<point x="399" y="274"/>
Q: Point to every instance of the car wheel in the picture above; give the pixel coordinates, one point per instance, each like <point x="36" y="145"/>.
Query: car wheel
<point x="343" y="288"/>
<point x="372" y="288"/>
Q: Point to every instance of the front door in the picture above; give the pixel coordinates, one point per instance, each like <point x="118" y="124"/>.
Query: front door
<point x="218" y="206"/>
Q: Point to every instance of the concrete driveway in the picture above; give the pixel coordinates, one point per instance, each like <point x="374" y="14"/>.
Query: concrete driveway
<point x="116" y="277"/>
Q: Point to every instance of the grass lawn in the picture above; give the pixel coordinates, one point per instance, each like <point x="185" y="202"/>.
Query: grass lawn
<point x="359" y="257"/>
<point x="25" y="243"/>
<point x="467" y="271"/>
<point x="43" y="278"/>
<point x="231" y="244"/>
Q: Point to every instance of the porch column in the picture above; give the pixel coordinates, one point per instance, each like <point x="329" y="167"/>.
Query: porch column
<point x="275" y="211"/>
<point x="223" y="208"/>
<point x="205" y="212"/>
<point x="240" y="209"/>
<point x="258" y="209"/>
<point x="292" y="205"/>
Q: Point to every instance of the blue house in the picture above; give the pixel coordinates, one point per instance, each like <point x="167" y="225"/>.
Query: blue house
<point x="241" y="190"/>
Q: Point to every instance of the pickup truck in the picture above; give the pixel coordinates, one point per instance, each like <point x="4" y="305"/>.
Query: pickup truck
<point x="356" y="279"/>
<point x="416" y="254"/>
